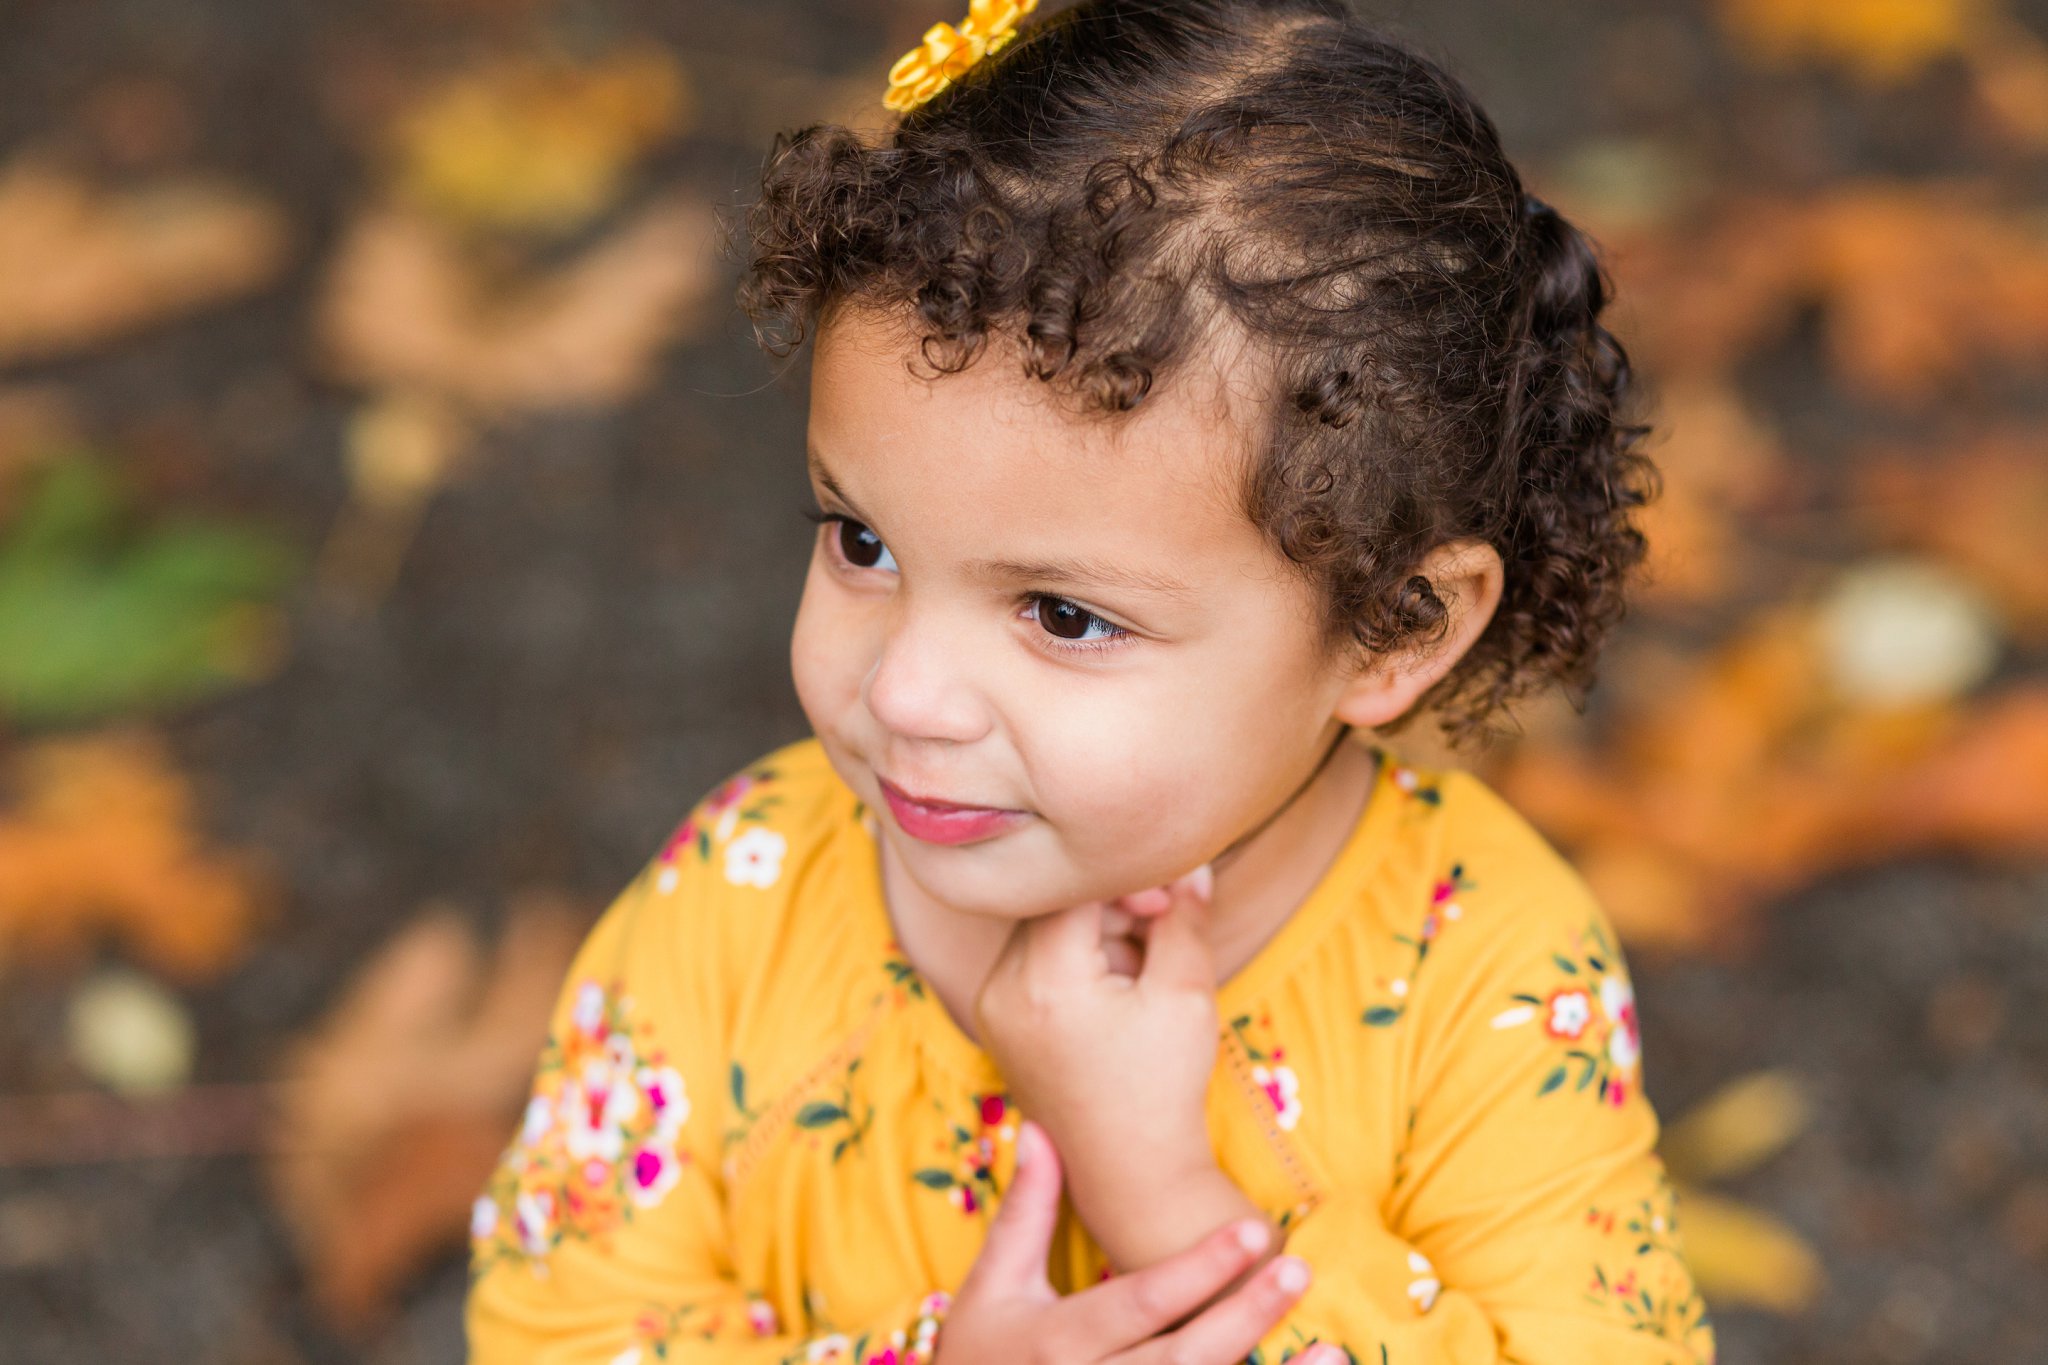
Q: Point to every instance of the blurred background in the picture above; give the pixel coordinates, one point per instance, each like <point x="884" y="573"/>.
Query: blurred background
<point x="399" y="531"/>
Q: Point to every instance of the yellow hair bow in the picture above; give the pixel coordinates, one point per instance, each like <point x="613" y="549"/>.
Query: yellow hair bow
<point x="946" y="52"/>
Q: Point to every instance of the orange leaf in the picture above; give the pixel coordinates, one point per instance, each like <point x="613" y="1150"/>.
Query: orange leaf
<point x="102" y="842"/>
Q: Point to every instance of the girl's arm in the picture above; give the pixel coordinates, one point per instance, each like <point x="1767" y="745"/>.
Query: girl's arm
<point x="603" y="1236"/>
<point x="1530" y="1220"/>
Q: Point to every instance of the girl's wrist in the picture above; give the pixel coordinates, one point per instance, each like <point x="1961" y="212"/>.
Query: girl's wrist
<point x="1141" y="1223"/>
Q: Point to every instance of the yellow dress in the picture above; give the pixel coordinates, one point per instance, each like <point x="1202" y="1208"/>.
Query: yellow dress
<point x="755" y="1134"/>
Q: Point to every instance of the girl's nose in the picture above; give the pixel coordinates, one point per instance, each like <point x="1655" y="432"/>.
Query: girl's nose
<point x="919" y="685"/>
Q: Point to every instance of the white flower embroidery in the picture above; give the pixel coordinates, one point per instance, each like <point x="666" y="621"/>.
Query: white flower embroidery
<point x="1624" y="1045"/>
<point x="755" y="858"/>
<point x="1570" y="1012"/>
<point x="1426" y="1286"/>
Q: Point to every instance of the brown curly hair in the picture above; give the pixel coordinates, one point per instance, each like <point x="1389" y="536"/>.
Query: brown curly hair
<point x="1126" y="175"/>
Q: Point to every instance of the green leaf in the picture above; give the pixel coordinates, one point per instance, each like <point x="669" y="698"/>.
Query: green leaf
<point x="934" y="1179"/>
<point x="819" y="1113"/>
<point x="738" y="1077"/>
<point x="100" y="616"/>
<point x="1565" y="963"/>
<point x="1381" y="1015"/>
<point x="1551" y="1082"/>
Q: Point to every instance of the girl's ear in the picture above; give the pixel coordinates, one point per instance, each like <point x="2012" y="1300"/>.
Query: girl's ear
<point x="1467" y="575"/>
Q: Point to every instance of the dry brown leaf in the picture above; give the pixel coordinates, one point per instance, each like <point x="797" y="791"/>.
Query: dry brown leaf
<point x="403" y="1096"/>
<point x="101" y="840"/>
<point x="538" y="142"/>
<point x="406" y="307"/>
<point x="80" y="264"/>
<point x="1981" y="507"/>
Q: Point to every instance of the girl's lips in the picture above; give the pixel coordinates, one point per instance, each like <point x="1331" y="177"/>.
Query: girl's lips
<point x="946" y="824"/>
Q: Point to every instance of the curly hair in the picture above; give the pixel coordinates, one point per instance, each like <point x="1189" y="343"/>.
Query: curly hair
<point x="1129" y="176"/>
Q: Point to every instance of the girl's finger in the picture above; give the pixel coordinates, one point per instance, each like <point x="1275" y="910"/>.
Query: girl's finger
<point x="1128" y="1310"/>
<point x="1177" y="950"/>
<point x="1065" y="945"/>
<point x="1227" y="1332"/>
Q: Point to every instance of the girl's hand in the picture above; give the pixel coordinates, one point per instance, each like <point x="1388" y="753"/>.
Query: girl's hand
<point x="1115" y="1067"/>
<point x="1007" y="1312"/>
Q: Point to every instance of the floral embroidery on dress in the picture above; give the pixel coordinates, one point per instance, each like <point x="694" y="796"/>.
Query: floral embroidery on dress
<point x="1269" y="1073"/>
<point x="660" y="1328"/>
<point x="1415" y="786"/>
<point x="1299" y="1346"/>
<point x="598" y="1141"/>
<point x="754" y="858"/>
<point x="1589" y="1011"/>
<point x="1649" y="1284"/>
<point x="1444" y="911"/>
<point x="970" y="1180"/>
<point x="1425" y="1286"/>
<point x="820" y="1115"/>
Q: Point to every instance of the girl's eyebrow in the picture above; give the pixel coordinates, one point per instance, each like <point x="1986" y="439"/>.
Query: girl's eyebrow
<point x="1078" y="572"/>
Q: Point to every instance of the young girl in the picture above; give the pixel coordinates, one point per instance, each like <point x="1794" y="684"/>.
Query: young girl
<point x="1196" y="392"/>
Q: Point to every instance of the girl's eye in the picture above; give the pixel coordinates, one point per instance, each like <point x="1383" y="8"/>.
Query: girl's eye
<point x="1067" y="624"/>
<point x="861" y="547"/>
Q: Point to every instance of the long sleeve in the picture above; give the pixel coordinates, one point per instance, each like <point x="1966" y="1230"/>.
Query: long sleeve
<point x="1529" y="1219"/>
<point x="604" y="1236"/>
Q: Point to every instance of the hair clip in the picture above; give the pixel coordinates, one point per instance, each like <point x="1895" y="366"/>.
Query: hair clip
<point x="946" y="52"/>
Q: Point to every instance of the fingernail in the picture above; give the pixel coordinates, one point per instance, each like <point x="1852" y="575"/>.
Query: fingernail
<point x="1292" y="1274"/>
<point x="1026" y="1144"/>
<point x="1203" y="881"/>
<point x="1251" y="1235"/>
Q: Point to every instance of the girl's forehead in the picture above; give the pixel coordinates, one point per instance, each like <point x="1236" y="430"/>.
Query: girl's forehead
<point x="993" y="444"/>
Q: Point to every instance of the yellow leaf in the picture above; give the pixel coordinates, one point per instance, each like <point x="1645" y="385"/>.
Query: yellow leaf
<point x="1883" y="41"/>
<point x="1742" y="1125"/>
<point x="1742" y="1256"/>
<point x="536" y="143"/>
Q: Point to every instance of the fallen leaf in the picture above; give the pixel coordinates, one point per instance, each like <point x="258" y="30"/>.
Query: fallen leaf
<point x="1884" y="41"/>
<point x="406" y="306"/>
<point x="102" y="841"/>
<point x="402" y="1098"/>
<point x="1718" y="459"/>
<point x="1755" y="772"/>
<point x="80" y="264"/>
<point x="100" y="616"/>
<point x="1920" y="285"/>
<point x="1739" y="1127"/>
<point x="1979" y="507"/>
<point x="536" y="142"/>
<point x="1742" y="1256"/>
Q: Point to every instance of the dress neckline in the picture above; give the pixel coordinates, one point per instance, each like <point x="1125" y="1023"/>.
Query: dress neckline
<point x="1337" y="890"/>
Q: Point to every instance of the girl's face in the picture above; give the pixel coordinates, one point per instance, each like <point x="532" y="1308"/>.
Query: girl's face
<point x="1045" y="613"/>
